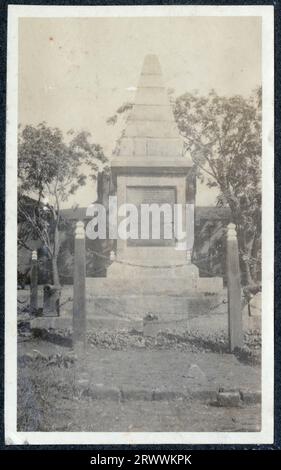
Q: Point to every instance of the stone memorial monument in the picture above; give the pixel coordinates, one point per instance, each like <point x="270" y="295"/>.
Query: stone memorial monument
<point x="150" y="167"/>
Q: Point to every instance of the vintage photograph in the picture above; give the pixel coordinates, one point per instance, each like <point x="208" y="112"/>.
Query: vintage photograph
<point x="140" y="155"/>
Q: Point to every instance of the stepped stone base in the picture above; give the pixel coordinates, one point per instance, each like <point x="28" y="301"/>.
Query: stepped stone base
<point x="132" y="285"/>
<point x="137" y="306"/>
<point x="173" y="299"/>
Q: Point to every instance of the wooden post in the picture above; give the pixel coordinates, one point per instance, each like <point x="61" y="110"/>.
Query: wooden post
<point x="34" y="283"/>
<point x="235" y="328"/>
<point x="79" y="290"/>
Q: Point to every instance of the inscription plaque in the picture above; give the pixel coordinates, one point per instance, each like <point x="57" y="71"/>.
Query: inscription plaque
<point x="138" y="195"/>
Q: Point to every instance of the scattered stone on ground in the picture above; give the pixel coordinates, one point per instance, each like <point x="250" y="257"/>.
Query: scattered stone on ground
<point x="229" y="399"/>
<point x="194" y="372"/>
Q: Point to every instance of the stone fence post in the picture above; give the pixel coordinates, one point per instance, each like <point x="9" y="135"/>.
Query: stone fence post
<point x="79" y="289"/>
<point x="34" y="282"/>
<point x="235" y="327"/>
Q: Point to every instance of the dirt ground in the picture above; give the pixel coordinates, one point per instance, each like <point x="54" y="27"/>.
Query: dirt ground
<point x="49" y="400"/>
<point x="49" y="407"/>
<point x="143" y="416"/>
<point x="157" y="369"/>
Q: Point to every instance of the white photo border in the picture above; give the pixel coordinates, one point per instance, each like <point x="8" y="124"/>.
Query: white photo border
<point x="265" y="436"/>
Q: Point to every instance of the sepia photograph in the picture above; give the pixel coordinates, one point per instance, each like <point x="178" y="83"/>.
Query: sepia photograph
<point x="139" y="225"/>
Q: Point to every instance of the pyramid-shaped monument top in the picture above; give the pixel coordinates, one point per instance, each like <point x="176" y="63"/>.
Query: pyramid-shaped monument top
<point x="151" y="65"/>
<point x="151" y="131"/>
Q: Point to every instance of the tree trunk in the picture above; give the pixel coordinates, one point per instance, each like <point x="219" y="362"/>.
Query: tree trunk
<point x="255" y="258"/>
<point x="244" y="262"/>
<point x="247" y="271"/>
<point x="56" y="278"/>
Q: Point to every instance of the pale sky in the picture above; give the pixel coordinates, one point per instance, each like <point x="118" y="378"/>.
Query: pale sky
<point x="75" y="72"/>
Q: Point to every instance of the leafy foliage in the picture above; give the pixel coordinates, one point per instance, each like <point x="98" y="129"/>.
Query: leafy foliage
<point x="223" y="136"/>
<point x="49" y="171"/>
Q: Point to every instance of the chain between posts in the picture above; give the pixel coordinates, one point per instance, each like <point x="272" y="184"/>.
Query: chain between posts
<point x="127" y="263"/>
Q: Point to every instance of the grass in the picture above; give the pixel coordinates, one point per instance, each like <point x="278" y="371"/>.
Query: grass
<point x="44" y="388"/>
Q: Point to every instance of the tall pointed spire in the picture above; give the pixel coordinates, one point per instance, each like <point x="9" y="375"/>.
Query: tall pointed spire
<point x="151" y="130"/>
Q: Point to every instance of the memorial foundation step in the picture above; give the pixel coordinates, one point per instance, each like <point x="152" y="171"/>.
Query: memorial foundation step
<point x="145" y="286"/>
<point x="169" y="306"/>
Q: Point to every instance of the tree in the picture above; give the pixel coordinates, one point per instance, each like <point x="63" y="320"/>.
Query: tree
<point x="49" y="171"/>
<point x="223" y="136"/>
